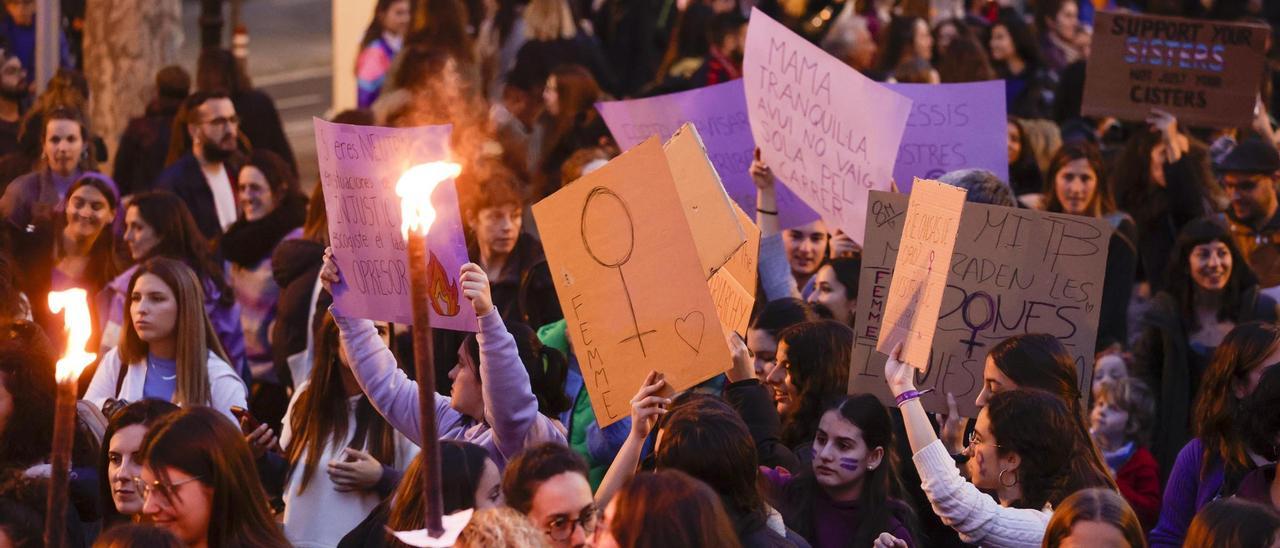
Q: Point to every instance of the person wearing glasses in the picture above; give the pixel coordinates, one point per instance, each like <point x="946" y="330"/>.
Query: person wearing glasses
<point x="122" y="459"/>
<point x="199" y="481"/>
<point x="548" y="483"/>
<point x="203" y="176"/>
<point x="1022" y="448"/>
<point x="1248" y="173"/>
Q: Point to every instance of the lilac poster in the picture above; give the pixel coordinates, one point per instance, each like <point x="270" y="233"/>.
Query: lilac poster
<point x="830" y="133"/>
<point x="952" y="126"/>
<point x="720" y="114"/>
<point x="359" y="168"/>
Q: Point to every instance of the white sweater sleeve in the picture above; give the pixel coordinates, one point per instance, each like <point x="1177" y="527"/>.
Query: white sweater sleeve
<point x="977" y="517"/>
<point x="103" y="385"/>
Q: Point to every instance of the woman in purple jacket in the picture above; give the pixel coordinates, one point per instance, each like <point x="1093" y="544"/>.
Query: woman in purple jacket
<point x="492" y="404"/>
<point x="1213" y="462"/>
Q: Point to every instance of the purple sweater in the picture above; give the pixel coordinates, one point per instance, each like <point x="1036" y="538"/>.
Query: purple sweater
<point x="511" y="418"/>
<point x="834" y="523"/>
<point x="1185" y="494"/>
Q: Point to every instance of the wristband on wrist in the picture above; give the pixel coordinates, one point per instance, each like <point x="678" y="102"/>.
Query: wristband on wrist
<point x="766" y="212"/>
<point x="909" y="395"/>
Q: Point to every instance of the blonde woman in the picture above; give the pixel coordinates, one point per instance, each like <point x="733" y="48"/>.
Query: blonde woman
<point x="169" y="350"/>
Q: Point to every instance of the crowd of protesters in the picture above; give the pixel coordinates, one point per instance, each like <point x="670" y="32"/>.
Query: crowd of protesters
<point x="231" y="406"/>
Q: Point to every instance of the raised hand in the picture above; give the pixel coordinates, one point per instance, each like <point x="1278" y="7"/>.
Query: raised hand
<point x="647" y="405"/>
<point x="475" y="287"/>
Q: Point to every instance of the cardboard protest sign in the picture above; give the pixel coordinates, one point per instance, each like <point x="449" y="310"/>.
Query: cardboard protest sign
<point x="829" y="133"/>
<point x="720" y="114"/>
<point x="733" y="287"/>
<point x="711" y="215"/>
<point x="1204" y="72"/>
<point x="952" y="126"/>
<point x="1013" y="271"/>
<point x="628" y="276"/>
<point x="920" y="272"/>
<point x="359" y="168"/>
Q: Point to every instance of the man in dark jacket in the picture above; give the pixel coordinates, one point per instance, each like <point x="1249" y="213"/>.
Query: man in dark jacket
<point x="1248" y="174"/>
<point x="205" y="176"/>
<point x="145" y="142"/>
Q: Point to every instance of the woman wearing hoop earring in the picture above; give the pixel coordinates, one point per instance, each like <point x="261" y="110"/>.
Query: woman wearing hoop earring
<point x="1021" y="448"/>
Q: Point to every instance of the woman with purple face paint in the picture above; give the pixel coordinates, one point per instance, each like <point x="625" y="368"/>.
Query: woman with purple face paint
<point x="851" y="493"/>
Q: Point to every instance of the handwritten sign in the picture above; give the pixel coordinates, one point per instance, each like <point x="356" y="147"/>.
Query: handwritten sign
<point x="359" y="168"/>
<point x="628" y="276"/>
<point x="733" y="286"/>
<point x="720" y="114"/>
<point x="920" y="272"/>
<point x="1204" y="72"/>
<point x="952" y="126"/>
<point x="716" y="230"/>
<point x="829" y="133"/>
<point x="1013" y="271"/>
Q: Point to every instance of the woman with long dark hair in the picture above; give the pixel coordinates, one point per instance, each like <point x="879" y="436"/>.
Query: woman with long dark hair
<point x="570" y="121"/>
<point x="1212" y="462"/>
<point x="169" y="350"/>
<point x="271" y="211"/>
<point x="1210" y="290"/>
<point x="1037" y="361"/>
<point x="74" y="249"/>
<point x="199" y="481"/>
<point x="158" y="224"/>
<point x="908" y="40"/>
<point x="1025" y="446"/>
<point x="381" y="42"/>
<point x="812" y="367"/>
<point x="330" y="423"/>
<point x="1162" y="178"/>
<point x="852" y="492"/>
<point x="1075" y="184"/>
<point x="121" y="460"/>
<point x="1028" y="84"/>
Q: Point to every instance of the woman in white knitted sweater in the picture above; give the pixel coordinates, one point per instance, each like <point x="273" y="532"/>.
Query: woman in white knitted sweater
<point x="1021" y="449"/>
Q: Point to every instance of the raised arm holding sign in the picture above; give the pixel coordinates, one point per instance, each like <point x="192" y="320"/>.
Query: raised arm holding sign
<point x="828" y="132"/>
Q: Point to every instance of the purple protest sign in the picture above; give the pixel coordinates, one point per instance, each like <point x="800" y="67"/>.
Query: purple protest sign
<point x="359" y="168"/>
<point x="829" y="133"/>
<point x="720" y="114"/>
<point x="952" y="126"/>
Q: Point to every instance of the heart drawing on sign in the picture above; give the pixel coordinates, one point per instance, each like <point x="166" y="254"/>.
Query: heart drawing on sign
<point x="690" y="328"/>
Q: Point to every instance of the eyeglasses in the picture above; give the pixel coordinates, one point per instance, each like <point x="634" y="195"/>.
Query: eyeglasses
<point x="976" y="440"/>
<point x="561" y="527"/>
<point x="146" y="490"/>
<point x="225" y="121"/>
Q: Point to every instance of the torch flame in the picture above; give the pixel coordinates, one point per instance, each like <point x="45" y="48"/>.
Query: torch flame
<point x="414" y="189"/>
<point x="75" y="303"/>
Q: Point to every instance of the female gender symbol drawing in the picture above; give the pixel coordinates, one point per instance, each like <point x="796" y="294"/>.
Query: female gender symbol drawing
<point x="613" y="243"/>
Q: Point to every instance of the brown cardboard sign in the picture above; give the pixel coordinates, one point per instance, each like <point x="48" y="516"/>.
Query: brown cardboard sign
<point x="628" y="275"/>
<point x="1013" y="271"/>
<point x="920" y="273"/>
<point x="707" y="206"/>
<point x="1204" y="72"/>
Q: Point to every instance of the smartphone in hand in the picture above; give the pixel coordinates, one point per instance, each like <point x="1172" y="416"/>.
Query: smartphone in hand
<point x="247" y="423"/>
